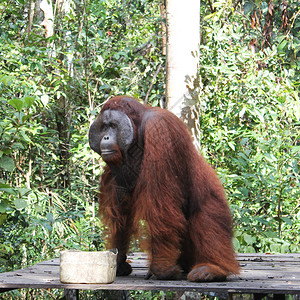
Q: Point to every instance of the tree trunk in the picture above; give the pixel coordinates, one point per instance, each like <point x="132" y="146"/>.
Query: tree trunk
<point x="63" y="121"/>
<point x="31" y="6"/>
<point x="63" y="112"/>
<point x="48" y="22"/>
<point x="183" y="39"/>
<point x="47" y="16"/>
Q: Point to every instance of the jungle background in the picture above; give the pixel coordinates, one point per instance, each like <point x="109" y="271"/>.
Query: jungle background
<point x="52" y="86"/>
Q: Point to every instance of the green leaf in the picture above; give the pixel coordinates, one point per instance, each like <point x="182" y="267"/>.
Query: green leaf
<point x="295" y="149"/>
<point x="16" y="103"/>
<point x="45" y="99"/>
<point x="275" y="247"/>
<point x="263" y="147"/>
<point x="25" y="137"/>
<point x="231" y="145"/>
<point x="244" y="141"/>
<point x="282" y="45"/>
<point x="32" y="66"/>
<point x="17" y="146"/>
<point x="4" y="185"/>
<point x="3" y="218"/>
<point x="23" y="191"/>
<point x="29" y="100"/>
<point x="94" y="113"/>
<point x="7" y="189"/>
<point x="3" y="205"/>
<point x="236" y="244"/>
<point x="249" y="239"/>
<point x="7" y="163"/>
<point x="47" y="226"/>
<point x="287" y="220"/>
<point x="20" y="203"/>
<point x="285" y="248"/>
<point x="7" y="80"/>
<point x="244" y="191"/>
<point x="249" y="249"/>
<point x="270" y="157"/>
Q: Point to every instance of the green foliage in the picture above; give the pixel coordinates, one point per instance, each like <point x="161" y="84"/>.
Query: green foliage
<point x="248" y="125"/>
<point x="148" y="295"/>
<point x="51" y="89"/>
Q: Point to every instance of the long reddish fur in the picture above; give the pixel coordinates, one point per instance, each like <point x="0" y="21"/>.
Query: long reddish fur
<point x="178" y="195"/>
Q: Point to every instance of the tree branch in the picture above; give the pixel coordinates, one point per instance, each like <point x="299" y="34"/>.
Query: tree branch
<point x="152" y="82"/>
<point x="138" y="49"/>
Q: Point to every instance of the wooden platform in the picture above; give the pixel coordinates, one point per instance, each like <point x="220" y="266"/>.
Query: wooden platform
<point x="260" y="274"/>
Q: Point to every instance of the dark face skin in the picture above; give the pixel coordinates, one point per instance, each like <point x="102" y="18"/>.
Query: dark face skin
<point x="111" y="135"/>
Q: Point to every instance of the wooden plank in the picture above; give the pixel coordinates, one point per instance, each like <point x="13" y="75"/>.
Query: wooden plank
<point x="290" y="257"/>
<point x="260" y="273"/>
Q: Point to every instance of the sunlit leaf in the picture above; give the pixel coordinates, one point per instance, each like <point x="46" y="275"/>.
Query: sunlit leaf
<point x="45" y="99"/>
<point x="17" y="103"/>
<point x="29" y="100"/>
<point x="20" y="203"/>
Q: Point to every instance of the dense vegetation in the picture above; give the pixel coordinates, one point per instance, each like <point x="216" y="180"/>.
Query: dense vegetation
<point x="246" y="110"/>
<point x="249" y="114"/>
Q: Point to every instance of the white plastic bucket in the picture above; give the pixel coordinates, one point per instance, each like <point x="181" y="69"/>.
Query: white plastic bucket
<point x="88" y="266"/>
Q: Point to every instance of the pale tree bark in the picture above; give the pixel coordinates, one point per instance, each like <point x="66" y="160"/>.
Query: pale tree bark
<point x="48" y="22"/>
<point x="45" y="15"/>
<point x="31" y="6"/>
<point x="48" y="13"/>
<point x="183" y="39"/>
